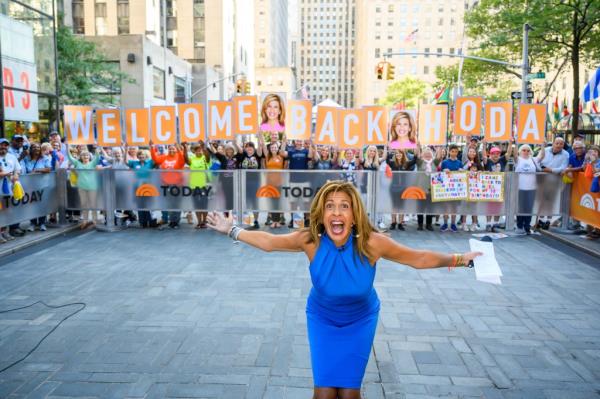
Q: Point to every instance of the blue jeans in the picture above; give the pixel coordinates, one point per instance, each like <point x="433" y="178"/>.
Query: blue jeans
<point x="171" y="216"/>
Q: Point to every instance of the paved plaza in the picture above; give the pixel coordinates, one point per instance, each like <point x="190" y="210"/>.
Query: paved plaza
<point x="188" y="314"/>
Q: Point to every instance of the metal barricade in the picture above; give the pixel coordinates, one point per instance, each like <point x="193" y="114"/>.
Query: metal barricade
<point x="267" y="191"/>
<point x="293" y="191"/>
<point x="409" y="193"/>
<point x="183" y="190"/>
<point x="41" y="198"/>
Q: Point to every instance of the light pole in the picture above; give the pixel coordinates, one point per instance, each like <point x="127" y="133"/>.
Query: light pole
<point x="524" y="65"/>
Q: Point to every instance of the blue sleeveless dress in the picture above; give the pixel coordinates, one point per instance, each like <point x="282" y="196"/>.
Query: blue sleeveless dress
<point x="341" y="312"/>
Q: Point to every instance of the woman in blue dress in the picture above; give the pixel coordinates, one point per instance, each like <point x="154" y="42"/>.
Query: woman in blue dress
<point x="342" y="307"/>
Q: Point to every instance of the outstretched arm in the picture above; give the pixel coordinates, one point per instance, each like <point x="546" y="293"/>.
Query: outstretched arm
<point x="389" y="249"/>
<point x="293" y="242"/>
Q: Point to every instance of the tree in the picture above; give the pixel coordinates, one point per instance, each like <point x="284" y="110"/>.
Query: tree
<point x="493" y="88"/>
<point x="565" y="31"/>
<point x="408" y="91"/>
<point x="85" y="76"/>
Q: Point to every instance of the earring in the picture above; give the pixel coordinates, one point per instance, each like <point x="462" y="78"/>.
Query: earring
<point x="355" y="234"/>
<point x="321" y="228"/>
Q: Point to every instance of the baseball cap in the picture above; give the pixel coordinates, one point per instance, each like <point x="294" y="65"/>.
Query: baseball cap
<point x="495" y="149"/>
<point x="17" y="137"/>
<point x="53" y="133"/>
<point x="4" y="141"/>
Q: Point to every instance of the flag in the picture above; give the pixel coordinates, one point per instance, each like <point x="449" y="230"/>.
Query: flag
<point x="592" y="88"/>
<point x="565" y="110"/>
<point x="304" y="92"/>
<point x="556" y="110"/>
<point x="443" y="97"/>
<point x="439" y="93"/>
<point x="411" y="36"/>
<point x="595" y="108"/>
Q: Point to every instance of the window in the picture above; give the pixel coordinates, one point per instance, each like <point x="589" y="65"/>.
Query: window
<point x="78" y="17"/>
<point x="200" y="54"/>
<point x="199" y="27"/>
<point x="377" y="9"/>
<point x="377" y="53"/>
<point x="158" y="83"/>
<point x="439" y="51"/>
<point x="426" y="70"/>
<point x="123" y="17"/>
<point x="426" y="51"/>
<point x="451" y="50"/>
<point x="100" y="14"/>
<point x="390" y="8"/>
<point x="179" y="95"/>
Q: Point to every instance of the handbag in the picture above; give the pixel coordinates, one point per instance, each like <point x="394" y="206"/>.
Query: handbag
<point x="73" y="178"/>
<point x="6" y="187"/>
<point x="595" y="188"/>
<point x="18" y="192"/>
<point x="589" y="171"/>
<point x="567" y="178"/>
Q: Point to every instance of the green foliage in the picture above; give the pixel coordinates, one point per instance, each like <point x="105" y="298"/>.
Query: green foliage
<point x="446" y="77"/>
<point x="408" y="90"/>
<point x="563" y="30"/>
<point x="84" y="73"/>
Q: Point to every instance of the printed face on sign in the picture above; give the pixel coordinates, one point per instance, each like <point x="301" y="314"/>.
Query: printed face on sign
<point x="403" y="132"/>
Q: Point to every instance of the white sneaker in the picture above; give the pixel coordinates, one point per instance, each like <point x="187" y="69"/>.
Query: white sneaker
<point x="7" y="236"/>
<point x="520" y="232"/>
<point x="465" y="227"/>
<point x="31" y="228"/>
<point x="43" y="227"/>
<point x="474" y="227"/>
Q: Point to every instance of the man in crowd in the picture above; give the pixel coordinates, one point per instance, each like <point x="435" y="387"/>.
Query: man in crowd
<point x="9" y="170"/>
<point x="17" y="147"/>
<point x="553" y="159"/>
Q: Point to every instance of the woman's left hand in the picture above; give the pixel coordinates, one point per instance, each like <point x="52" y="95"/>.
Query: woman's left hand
<point x="220" y="223"/>
<point x="469" y="256"/>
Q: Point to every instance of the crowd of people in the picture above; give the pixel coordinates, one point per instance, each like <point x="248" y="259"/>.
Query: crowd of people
<point x="271" y="150"/>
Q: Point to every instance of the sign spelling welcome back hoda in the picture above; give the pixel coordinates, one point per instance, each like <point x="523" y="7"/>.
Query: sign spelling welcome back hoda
<point x="344" y="128"/>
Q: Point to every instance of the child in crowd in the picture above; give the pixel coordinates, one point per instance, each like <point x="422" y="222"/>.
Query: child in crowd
<point x="451" y="164"/>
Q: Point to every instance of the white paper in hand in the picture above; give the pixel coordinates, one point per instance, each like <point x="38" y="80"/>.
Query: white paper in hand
<point x="486" y="266"/>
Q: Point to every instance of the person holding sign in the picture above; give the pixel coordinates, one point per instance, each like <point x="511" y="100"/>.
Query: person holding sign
<point x="451" y="164"/>
<point x="402" y="132"/>
<point x="172" y="160"/>
<point x="199" y="163"/>
<point x="343" y="307"/>
<point x="398" y="161"/>
<point x="426" y="162"/>
<point x="526" y="167"/>
<point x="272" y="117"/>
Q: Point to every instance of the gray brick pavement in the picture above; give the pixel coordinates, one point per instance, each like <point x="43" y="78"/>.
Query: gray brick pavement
<point x="189" y="314"/>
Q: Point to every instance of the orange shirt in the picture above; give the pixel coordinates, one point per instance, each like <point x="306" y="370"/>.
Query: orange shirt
<point x="167" y="161"/>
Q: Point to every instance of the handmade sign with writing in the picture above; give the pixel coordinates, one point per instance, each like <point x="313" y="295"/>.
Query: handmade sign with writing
<point x="448" y="186"/>
<point x="486" y="186"/>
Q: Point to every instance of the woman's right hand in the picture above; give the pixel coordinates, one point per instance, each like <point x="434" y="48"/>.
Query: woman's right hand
<point x="217" y="221"/>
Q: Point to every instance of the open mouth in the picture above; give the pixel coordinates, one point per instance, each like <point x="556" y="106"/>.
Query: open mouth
<point x="337" y="227"/>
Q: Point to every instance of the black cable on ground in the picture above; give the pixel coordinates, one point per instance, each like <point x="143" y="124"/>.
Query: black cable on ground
<point x="82" y="306"/>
